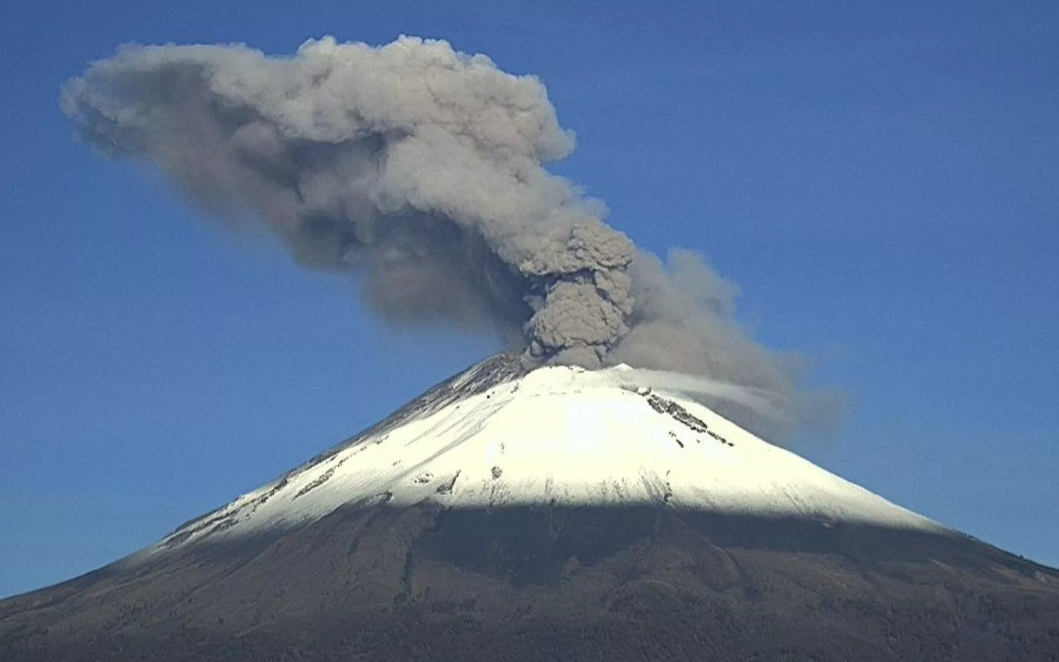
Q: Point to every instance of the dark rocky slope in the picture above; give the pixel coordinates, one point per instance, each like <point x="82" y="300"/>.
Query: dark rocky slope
<point x="551" y="584"/>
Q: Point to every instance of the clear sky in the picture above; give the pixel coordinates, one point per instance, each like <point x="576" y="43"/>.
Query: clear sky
<point x="880" y="178"/>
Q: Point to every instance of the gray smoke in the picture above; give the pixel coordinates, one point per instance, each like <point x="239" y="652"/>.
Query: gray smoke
<point x="421" y="169"/>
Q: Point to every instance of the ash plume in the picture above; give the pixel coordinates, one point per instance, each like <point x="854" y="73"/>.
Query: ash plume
<point x="421" y="169"/>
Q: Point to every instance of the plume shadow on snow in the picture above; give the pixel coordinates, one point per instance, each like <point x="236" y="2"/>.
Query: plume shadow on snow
<point x="535" y="544"/>
<point x="633" y="583"/>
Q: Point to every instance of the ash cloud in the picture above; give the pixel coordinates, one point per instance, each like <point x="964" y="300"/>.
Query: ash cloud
<point x="421" y="169"/>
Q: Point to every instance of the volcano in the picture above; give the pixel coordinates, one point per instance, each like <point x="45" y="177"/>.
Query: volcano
<point x="550" y="514"/>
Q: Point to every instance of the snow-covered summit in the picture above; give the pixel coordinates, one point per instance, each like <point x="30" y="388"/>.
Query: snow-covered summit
<point x="500" y="436"/>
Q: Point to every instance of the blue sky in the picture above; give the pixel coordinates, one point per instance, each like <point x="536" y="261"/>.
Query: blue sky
<point x="880" y="179"/>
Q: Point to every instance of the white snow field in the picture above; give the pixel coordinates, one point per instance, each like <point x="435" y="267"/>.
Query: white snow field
<point x="555" y="436"/>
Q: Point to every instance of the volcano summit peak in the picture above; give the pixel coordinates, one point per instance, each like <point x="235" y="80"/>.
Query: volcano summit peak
<point x="499" y="435"/>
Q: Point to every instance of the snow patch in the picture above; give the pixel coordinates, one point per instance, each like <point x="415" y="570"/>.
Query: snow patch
<point x="496" y="437"/>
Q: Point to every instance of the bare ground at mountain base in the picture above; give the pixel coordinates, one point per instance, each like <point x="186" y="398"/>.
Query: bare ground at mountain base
<point x="551" y="584"/>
